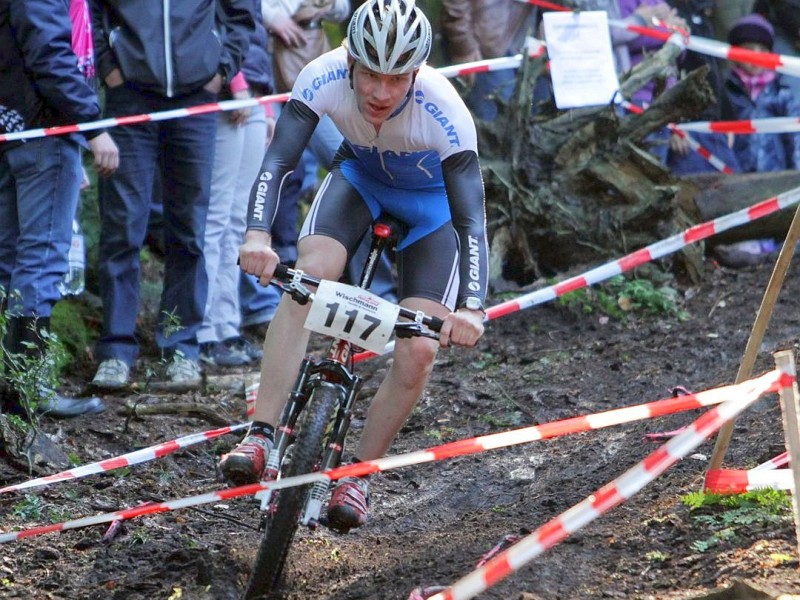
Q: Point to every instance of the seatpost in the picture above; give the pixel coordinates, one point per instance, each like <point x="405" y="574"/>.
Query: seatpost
<point x="385" y="232"/>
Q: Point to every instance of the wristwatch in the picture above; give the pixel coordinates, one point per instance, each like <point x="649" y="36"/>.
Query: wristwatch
<point x="472" y="303"/>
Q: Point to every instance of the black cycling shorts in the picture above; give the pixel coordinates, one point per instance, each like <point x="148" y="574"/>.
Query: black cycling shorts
<point x="428" y="268"/>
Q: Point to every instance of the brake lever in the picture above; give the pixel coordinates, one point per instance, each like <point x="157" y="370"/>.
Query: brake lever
<point x="299" y="293"/>
<point x="409" y="330"/>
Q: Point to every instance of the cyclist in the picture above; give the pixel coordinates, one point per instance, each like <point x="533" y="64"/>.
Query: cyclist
<point x="410" y="149"/>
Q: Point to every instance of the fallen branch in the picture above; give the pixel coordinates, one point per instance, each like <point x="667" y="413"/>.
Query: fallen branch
<point x="186" y="409"/>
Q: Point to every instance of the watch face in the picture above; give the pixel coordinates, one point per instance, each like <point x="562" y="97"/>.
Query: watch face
<point x="473" y="304"/>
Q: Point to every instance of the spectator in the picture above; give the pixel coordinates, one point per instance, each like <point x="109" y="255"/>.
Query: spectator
<point x="483" y="29"/>
<point x="681" y="159"/>
<point x="206" y="43"/>
<point x="296" y="37"/>
<point x="239" y="149"/>
<point x="41" y="86"/>
<point x="756" y="93"/>
<point x="638" y="48"/>
<point x="785" y="18"/>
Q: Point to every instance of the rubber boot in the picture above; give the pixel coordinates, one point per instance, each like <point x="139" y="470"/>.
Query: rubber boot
<point x="51" y="403"/>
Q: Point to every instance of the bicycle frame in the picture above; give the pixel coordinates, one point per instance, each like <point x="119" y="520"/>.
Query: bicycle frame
<point x="335" y="369"/>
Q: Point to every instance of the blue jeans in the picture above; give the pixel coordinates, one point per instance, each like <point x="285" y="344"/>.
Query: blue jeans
<point x="39" y="188"/>
<point x="183" y="150"/>
<point x="488" y="86"/>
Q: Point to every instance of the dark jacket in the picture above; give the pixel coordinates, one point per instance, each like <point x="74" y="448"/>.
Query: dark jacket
<point x="763" y="151"/>
<point x="257" y="66"/>
<point x="175" y="55"/>
<point x="40" y="85"/>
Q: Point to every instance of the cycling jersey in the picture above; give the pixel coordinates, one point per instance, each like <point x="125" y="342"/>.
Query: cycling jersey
<point x="422" y="166"/>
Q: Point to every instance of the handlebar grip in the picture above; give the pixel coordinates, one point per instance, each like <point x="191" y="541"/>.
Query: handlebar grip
<point x="281" y="272"/>
<point x="435" y="324"/>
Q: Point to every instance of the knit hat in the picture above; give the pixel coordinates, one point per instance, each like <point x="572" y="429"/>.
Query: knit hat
<point x="753" y="29"/>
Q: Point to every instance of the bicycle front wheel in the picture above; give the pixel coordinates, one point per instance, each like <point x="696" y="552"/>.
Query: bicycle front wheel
<point x="282" y="524"/>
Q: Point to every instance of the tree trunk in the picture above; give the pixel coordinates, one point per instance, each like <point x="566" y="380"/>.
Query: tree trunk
<point x="721" y="194"/>
<point x="579" y="186"/>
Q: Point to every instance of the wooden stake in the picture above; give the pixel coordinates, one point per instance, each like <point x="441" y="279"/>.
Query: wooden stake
<point x="757" y="333"/>
<point x="790" y="408"/>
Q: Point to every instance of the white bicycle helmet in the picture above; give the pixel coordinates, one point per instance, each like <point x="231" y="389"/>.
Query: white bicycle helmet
<point x="389" y="36"/>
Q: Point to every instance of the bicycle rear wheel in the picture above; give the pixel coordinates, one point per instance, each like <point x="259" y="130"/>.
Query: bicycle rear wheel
<point x="282" y="524"/>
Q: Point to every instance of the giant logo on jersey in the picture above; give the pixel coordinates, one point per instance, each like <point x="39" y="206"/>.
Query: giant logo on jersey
<point x="474" y="264"/>
<point x="324" y="79"/>
<point x="438" y="116"/>
<point x="261" y="195"/>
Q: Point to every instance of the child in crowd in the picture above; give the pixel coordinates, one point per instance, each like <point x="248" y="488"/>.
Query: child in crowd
<point x="755" y="92"/>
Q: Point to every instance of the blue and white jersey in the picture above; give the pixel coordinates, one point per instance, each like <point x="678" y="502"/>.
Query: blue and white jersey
<point x="421" y="166"/>
<point x="431" y="125"/>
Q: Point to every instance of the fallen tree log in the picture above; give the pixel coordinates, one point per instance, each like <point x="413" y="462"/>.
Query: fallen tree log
<point x="719" y="194"/>
<point x="578" y="187"/>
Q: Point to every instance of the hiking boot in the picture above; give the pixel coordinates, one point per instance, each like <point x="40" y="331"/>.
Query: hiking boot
<point x="245" y="463"/>
<point x="183" y="373"/>
<point x="112" y="374"/>
<point x="349" y="504"/>
<point x="223" y="354"/>
<point x="253" y="351"/>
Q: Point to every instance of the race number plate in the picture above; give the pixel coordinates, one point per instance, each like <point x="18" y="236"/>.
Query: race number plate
<point x="353" y="314"/>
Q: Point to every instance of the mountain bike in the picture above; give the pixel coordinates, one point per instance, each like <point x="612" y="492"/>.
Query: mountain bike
<point x="314" y="424"/>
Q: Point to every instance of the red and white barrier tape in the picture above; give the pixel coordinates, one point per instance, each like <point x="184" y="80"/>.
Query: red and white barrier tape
<point x="733" y="481"/>
<point x="126" y="460"/>
<point x="773" y="463"/>
<point x="628" y="262"/>
<point x="768" y="382"/>
<point x="481" y="66"/>
<point x="714" y="160"/>
<point x="775" y="62"/>
<point x="649" y="253"/>
<point x="164" y="115"/>
<point x="770" y="125"/>
<point x="603" y="500"/>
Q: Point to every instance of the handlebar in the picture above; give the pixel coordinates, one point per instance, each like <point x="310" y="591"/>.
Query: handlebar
<point x="293" y="282"/>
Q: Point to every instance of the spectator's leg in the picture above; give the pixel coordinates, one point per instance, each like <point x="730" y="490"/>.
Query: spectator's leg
<point x="124" y="200"/>
<point x="227" y="294"/>
<point x="46" y="176"/>
<point x="228" y="156"/>
<point x="187" y="152"/>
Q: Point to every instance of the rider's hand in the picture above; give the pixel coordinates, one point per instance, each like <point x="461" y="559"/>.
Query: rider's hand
<point x="461" y="328"/>
<point x="257" y="257"/>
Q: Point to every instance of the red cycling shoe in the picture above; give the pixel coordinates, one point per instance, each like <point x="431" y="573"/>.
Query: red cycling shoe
<point x="245" y="463"/>
<point x="349" y="504"/>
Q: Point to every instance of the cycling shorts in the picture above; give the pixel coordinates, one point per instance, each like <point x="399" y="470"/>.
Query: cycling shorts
<point x="427" y="259"/>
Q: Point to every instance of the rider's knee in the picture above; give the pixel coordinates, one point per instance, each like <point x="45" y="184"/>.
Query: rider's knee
<point x="416" y="355"/>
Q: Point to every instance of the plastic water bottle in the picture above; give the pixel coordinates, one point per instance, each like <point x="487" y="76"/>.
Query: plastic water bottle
<point x="74" y="281"/>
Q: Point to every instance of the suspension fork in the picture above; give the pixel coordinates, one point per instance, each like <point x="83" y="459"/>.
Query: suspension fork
<point x="332" y="454"/>
<point x="284" y="433"/>
<point x="344" y="416"/>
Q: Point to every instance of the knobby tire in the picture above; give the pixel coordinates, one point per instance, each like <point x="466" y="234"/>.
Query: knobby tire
<point x="306" y="455"/>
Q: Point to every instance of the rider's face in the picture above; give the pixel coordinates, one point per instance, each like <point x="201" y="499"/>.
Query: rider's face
<point x="378" y="95"/>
